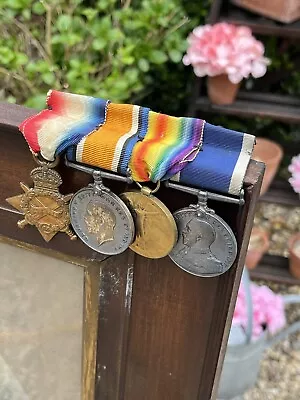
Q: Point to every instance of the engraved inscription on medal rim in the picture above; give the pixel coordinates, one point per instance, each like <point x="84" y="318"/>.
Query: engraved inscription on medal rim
<point x="229" y="239"/>
<point x="73" y="216"/>
<point x="124" y="232"/>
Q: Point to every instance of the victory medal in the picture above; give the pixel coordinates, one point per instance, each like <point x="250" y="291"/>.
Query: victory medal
<point x="156" y="231"/>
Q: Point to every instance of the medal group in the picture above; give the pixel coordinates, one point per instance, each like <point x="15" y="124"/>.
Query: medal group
<point x="133" y="144"/>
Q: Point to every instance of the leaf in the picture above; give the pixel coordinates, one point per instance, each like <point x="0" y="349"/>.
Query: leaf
<point x="121" y="85"/>
<point x="132" y="74"/>
<point x="37" y="101"/>
<point x="31" y="67"/>
<point x="175" y="55"/>
<point x="26" y="14"/>
<point x="99" y="43"/>
<point x="115" y="34"/>
<point x="157" y="57"/>
<point x="6" y="55"/>
<point x="38" y="8"/>
<point x="16" y="4"/>
<point x="56" y="39"/>
<point x="143" y="65"/>
<point x="127" y="60"/>
<point x="48" y="78"/>
<point x="11" y="99"/>
<point x="63" y="23"/>
<point x="90" y="13"/>
<point x="21" y="59"/>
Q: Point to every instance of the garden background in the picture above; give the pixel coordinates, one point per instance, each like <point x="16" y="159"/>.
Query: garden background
<point x="127" y="51"/>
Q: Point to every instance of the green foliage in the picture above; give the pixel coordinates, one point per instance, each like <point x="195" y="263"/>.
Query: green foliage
<point x="127" y="51"/>
<point x="107" y="48"/>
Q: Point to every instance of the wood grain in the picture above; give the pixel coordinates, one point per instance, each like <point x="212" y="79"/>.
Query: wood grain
<point x="250" y="108"/>
<point x="115" y="297"/>
<point x="90" y="324"/>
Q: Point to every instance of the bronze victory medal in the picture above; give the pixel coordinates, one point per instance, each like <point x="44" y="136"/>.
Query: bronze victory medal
<point x="43" y="205"/>
<point x="156" y="231"/>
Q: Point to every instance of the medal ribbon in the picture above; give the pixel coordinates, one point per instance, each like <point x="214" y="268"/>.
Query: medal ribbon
<point x="110" y="146"/>
<point x="168" y="145"/>
<point x="222" y="164"/>
<point x="153" y="146"/>
<point x="69" y="117"/>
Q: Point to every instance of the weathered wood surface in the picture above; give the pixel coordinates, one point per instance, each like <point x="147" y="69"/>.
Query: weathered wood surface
<point x="248" y="107"/>
<point x="160" y="330"/>
<point x="225" y="11"/>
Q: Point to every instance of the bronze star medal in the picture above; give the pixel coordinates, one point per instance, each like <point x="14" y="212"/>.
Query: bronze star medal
<point x="43" y="205"/>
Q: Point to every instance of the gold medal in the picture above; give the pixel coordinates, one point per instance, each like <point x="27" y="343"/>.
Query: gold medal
<point x="156" y="231"/>
<point x="43" y="205"/>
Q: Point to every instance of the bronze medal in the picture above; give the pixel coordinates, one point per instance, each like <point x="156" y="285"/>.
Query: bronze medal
<point x="43" y="205"/>
<point x="156" y="231"/>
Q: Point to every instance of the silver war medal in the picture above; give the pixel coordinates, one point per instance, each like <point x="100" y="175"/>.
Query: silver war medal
<point x="101" y="219"/>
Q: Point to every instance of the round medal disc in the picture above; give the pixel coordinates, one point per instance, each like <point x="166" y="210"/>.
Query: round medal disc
<point x="102" y="221"/>
<point x="156" y="231"/>
<point x="206" y="245"/>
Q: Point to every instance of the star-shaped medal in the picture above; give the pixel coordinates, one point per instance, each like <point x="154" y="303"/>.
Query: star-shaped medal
<point x="43" y="205"/>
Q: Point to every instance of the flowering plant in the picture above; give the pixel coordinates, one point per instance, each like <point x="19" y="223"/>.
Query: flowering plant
<point x="225" y="49"/>
<point x="294" y="169"/>
<point x="268" y="310"/>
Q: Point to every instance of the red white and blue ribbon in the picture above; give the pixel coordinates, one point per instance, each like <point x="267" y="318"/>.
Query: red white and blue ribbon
<point x="153" y="146"/>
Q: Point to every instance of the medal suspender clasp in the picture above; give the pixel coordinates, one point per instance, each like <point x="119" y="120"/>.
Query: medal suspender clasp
<point x="208" y="195"/>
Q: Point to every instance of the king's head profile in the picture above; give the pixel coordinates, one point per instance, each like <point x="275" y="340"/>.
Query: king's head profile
<point x="100" y="221"/>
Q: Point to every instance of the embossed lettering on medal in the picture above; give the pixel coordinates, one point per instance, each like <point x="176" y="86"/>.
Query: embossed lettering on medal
<point x="206" y="245"/>
<point x="101" y="219"/>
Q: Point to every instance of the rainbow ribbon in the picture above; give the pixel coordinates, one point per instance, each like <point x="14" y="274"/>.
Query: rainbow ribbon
<point x="153" y="146"/>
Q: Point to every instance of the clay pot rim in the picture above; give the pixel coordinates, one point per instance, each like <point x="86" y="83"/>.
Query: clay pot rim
<point x="277" y="156"/>
<point x="265" y="237"/>
<point x="291" y="244"/>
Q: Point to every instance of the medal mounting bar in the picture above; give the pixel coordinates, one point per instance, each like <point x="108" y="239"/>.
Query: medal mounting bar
<point x="187" y="189"/>
<point x="208" y="195"/>
<point x="101" y="173"/>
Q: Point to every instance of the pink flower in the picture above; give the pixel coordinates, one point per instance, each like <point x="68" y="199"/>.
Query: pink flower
<point x="268" y="310"/>
<point x="294" y="169"/>
<point x="225" y="49"/>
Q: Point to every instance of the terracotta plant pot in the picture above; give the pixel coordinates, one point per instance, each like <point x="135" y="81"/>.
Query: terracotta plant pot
<point x="281" y="10"/>
<point x="271" y="154"/>
<point x="294" y="249"/>
<point x="220" y="90"/>
<point x="258" y="246"/>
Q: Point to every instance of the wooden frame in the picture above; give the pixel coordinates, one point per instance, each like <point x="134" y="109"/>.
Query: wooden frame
<point x="151" y="330"/>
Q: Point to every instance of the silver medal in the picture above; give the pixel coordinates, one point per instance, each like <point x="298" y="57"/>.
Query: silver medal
<point x="206" y="246"/>
<point x="101" y="219"/>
